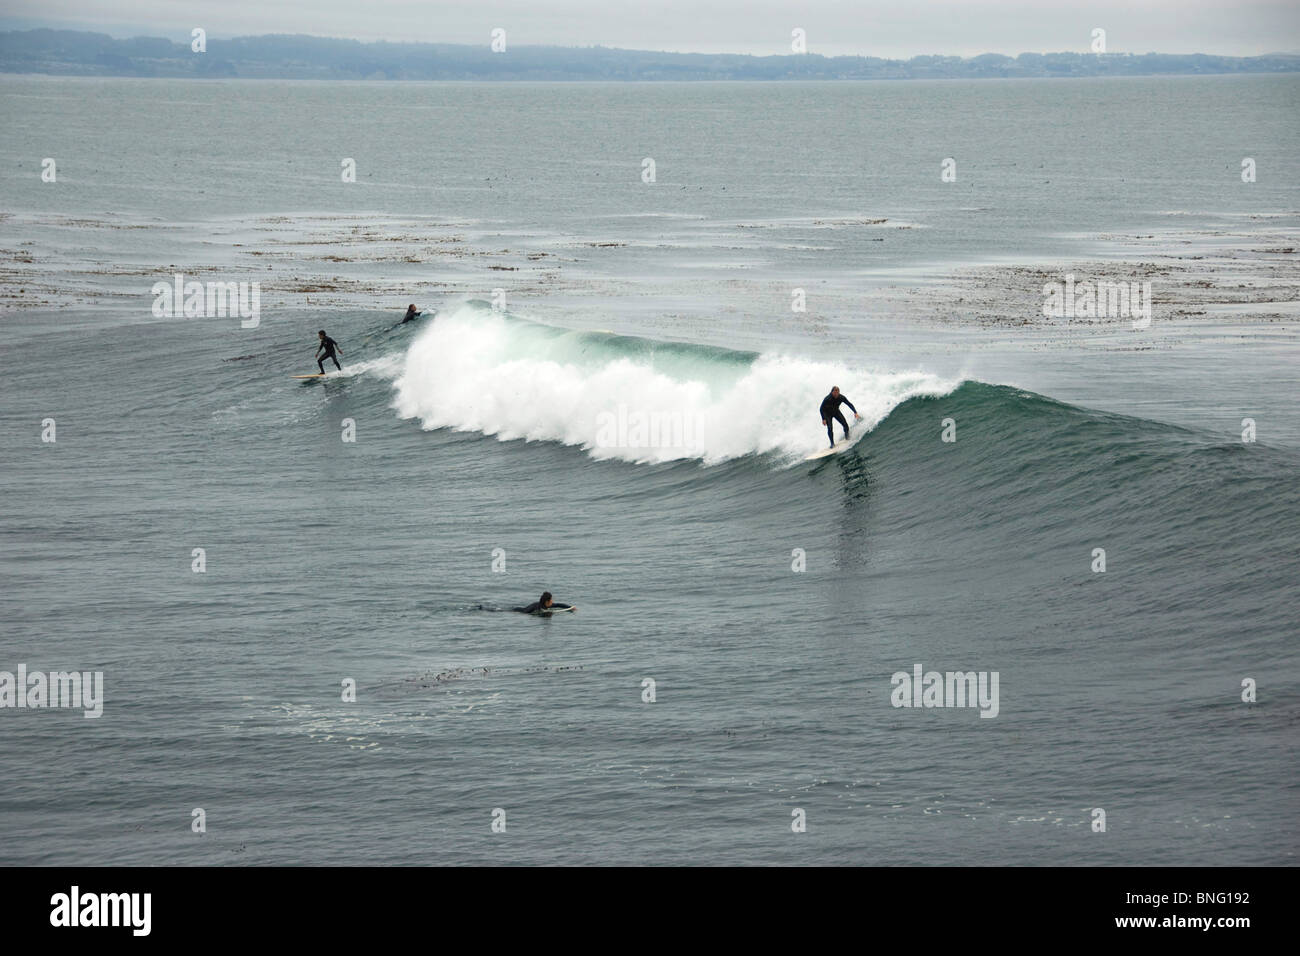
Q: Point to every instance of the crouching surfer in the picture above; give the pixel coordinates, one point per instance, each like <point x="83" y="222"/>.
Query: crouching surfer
<point x="545" y="604"/>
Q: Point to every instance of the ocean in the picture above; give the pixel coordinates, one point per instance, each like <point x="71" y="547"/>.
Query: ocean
<point x="299" y="592"/>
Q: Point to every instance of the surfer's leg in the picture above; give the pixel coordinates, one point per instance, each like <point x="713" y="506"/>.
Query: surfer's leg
<point x="340" y="367"/>
<point x="839" y="417"/>
<point x="320" y="364"/>
<point x="830" y="431"/>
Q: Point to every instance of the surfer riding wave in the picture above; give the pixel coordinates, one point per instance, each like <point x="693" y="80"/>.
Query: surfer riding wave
<point x="830" y="411"/>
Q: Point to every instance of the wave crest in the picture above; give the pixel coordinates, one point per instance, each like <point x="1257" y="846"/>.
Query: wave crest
<point x="630" y="398"/>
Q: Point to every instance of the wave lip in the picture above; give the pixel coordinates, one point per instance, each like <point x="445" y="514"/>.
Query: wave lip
<point x="630" y="398"/>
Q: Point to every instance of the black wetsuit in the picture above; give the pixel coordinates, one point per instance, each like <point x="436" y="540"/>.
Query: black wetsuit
<point x="536" y="607"/>
<point x="831" y="413"/>
<point x="410" y="316"/>
<point x="329" y="345"/>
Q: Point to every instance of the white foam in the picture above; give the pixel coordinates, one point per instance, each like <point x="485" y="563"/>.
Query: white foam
<point x="476" y="371"/>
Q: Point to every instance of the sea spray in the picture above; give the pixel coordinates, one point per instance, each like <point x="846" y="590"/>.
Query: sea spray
<point x="627" y="397"/>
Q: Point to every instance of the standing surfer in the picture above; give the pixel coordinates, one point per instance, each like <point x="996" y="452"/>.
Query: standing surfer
<point x="830" y="411"/>
<point x="329" y="345"/>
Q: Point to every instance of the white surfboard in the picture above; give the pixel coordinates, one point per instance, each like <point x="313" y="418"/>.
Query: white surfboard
<point x="842" y="445"/>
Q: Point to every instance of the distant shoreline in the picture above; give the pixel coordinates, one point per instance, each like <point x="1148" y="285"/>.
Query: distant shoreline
<point x="506" y="81"/>
<point x="45" y="52"/>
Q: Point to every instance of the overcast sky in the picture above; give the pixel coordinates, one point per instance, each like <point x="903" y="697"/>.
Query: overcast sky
<point x="897" y="29"/>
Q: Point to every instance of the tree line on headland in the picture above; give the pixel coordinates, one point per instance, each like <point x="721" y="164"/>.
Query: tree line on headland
<point x="70" y="52"/>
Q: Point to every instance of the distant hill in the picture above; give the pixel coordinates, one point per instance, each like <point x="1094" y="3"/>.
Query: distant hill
<point x="70" y="52"/>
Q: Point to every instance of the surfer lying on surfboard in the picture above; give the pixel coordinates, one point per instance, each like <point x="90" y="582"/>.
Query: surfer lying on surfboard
<point x="544" y="605"/>
<point x="329" y="345"/>
<point x="410" y="314"/>
<point x="830" y="410"/>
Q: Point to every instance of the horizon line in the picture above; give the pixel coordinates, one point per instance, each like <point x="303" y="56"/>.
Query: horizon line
<point x="619" y="49"/>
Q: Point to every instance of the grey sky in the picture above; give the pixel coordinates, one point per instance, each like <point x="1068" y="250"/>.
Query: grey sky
<point x="896" y="29"/>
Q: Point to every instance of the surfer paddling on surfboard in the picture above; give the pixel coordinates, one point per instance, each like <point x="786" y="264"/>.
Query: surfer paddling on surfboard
<point x="544" y="605"/>
<point x="830" y="411"/>
<point x="329" y="345"/>
<point x="410" y="314"/>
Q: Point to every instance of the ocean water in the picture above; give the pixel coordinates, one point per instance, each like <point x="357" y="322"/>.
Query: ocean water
<point x="624" y="423"/>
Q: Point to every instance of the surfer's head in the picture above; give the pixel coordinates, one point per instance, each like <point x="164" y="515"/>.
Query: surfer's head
<point x="321" y="333"/>
<point x="546" y="599"/>
<point x="411" y="307"/>
<point x="835" y="390"/>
